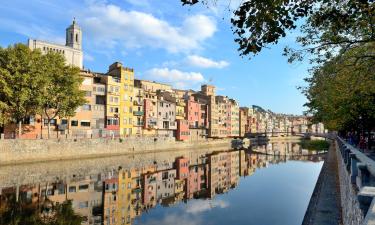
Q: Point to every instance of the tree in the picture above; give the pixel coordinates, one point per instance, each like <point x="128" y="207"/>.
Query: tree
<point x="61" y="95"/>
<point x="341" y="92"/>
<point x="327" y="25"/>
<point x="32" y="83"/>
<point x="20" y="79"/>
<point x="20" y="213"/>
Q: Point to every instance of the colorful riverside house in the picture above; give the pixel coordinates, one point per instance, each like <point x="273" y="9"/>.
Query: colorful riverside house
<point x="120" y="99"/>
<point x="197" y="180"/>
<point x="110" y="202"/>
<point x="166" y="115"/>
<point x="207" y="96"/>
<point x="223" y="109"/>
<point x="112" y="114"/>
<point x="234" y="118"/>
<point x="80" y="125"/>
<point x="125" y="210"/>
<point x="149" y="189"/>
<point x="150" y="89"/>
<point x="183" y="131"/>
<point x="138" y="111"/>
<point x="243" y="117"/>
<point x="150" y="116"/>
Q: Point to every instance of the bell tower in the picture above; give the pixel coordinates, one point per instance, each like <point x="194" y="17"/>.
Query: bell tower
<point x="74" y="36"/>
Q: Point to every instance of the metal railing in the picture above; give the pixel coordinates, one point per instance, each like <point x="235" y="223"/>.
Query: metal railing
<point x="138" y="113"/>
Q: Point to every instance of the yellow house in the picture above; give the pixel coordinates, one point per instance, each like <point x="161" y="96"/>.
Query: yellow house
<point x="125" y="79"/>
<point x="138" y="111"/>
<point x="125" y="210"/>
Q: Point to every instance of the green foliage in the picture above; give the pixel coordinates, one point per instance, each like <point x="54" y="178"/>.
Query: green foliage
<point x="20" y="78"/>
<point x="327" y="25"/>
<point x="19" y="213"/>
<point x="341" y="92"/>
<point x="60" y="91"/>
<point x="32" y="83"/>
<point x="315" y="145"/>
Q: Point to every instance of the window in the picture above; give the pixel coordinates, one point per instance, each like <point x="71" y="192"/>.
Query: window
<point x="113" y="109"/>
<point x="76" y="37"/>
<point x="88" y="93"/>
<point x="83" y="187"/>
<point x="86" y="107"/>
<point x="64" y="121"/>
<point x="52" y="122"/>
<point x="112" y="121"/>
<point x="74" y="123"/>
<point x="72" y="189"/>
<point x="83" y="204"/>
<point x="85" y="123"/>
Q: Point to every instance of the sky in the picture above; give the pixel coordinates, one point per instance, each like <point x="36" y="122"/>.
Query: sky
<point x="185" y="46"/>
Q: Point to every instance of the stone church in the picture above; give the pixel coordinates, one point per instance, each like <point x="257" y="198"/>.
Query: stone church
<point x="72" y="50"/>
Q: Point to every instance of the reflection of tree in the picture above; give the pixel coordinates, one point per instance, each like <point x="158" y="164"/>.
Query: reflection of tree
<point x="20" y="213"/>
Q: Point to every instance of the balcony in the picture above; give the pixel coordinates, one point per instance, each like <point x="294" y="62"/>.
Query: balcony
<point x="181" y="103"/>
<point x="139" y="94"/>
<point x="138" y="113"/>
<point x="139" y="124"/>
<point x="180" y="114"/>
<point x="140" y="103"/>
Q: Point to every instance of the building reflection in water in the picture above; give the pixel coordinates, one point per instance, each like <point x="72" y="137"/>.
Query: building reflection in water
<point x="119" y="196"/>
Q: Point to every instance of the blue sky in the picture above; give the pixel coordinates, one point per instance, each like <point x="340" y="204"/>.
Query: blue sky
<point x="163" y="41"/>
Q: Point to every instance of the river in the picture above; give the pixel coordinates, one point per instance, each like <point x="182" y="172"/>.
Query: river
<point x="269" y="184"/>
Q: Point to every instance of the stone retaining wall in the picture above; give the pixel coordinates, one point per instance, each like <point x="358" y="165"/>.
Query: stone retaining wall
<point x="351" y="211"/>
<point x="25" y="151"/>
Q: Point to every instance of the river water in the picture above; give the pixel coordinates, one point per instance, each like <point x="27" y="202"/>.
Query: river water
<point x="269" y="184"/>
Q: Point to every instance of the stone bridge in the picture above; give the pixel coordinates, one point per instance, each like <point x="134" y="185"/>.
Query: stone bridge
<point x="270" y="134"/>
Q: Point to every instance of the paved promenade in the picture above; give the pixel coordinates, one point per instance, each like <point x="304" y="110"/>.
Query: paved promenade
<point x="324" y="207"/>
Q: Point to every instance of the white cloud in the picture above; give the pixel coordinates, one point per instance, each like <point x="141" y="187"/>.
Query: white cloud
<point x="110" y="25"/>
<point x="172" y="219"/>
<point x="202" y="62"/>
<point x="88" y="57"/>
<point x="202" y="206"/>
<point x="178" y="78"/>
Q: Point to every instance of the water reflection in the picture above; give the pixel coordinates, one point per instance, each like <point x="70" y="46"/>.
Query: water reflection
<point x="121" y="195"/>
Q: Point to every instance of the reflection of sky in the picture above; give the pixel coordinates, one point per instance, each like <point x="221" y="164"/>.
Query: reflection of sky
<point x="277" y="195"/>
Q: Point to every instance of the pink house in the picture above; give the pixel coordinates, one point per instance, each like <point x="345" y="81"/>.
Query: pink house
<point x="182" y="166"/>
<point x="149" y="192"/>
<point x="149" y="114"/>
<point x="197" y="180"/>
<point x="182" y="133"/>
<point x="193" y="112"/>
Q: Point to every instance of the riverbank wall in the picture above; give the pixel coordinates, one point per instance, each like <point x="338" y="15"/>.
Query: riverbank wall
<point x="351" y="210"/>
<point x="354" y="173"/>
<point x="30" y="151"/>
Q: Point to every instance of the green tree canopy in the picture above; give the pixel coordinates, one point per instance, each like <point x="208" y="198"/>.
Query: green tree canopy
<point x="22" y="213"/>
<point x="61" y="95"/>
<point x="32" y="83"/>
<point x="327" y="25"/>
<point x="20" y="80"/>
<point x="341" y="92"/>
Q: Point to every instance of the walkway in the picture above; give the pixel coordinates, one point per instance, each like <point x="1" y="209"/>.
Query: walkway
<point x="324" y="207"/>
